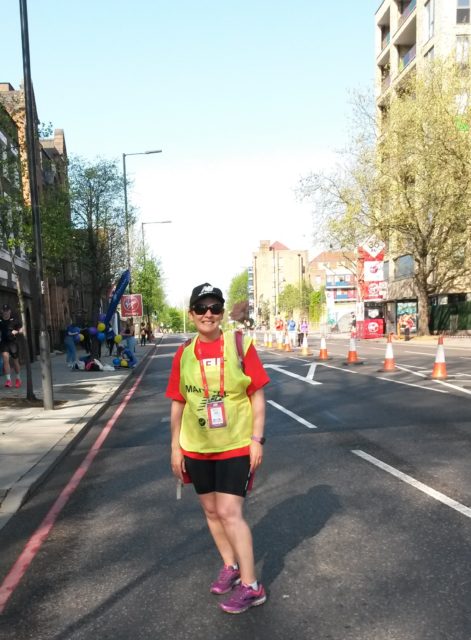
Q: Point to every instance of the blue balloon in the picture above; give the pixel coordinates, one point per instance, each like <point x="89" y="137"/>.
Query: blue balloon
<point x="101" y="317"/>
<point x="92" y="331"/>
<point x="100" y="336"/>
<point x="116" y="362"/>
<point x="77" y="338"/>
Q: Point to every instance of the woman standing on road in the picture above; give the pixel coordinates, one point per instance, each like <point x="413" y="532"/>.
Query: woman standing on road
<point x="217" y="424"/>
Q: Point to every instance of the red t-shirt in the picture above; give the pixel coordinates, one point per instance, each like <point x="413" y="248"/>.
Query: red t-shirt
<point x="252" y="368"/>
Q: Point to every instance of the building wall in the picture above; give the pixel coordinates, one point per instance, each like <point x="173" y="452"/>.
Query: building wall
<point x="274" y="266"/>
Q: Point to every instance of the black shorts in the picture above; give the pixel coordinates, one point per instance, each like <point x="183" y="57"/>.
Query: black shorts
<point x="9" y="347"/>
<point x="224" y="476"/>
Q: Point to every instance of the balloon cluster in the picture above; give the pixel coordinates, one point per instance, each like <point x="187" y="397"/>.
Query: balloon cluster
<point x="99" y="331"/>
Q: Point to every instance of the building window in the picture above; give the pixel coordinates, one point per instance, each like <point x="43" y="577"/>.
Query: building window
<point x="462" y="50"/>
<point x="404" y="266"/>
<point x="462" y="12"/>
<point x="429" y="18"/>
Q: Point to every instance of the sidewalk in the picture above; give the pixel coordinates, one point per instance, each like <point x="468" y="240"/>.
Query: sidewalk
<point x="33" y="441"/>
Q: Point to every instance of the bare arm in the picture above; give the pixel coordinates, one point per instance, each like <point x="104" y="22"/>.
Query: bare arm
<point x="176" y="459"/>
<point x="258" y="412"/>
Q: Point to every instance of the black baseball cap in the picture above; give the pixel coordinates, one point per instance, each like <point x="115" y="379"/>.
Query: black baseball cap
<point x="203" y="291"/>
<point x="6" y="307"/>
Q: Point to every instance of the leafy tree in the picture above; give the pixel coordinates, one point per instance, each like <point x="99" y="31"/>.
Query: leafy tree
<point x="408" y="182"/>
<point x="57" y="232"/>
<point x="147" y="280"/>
<point x="289" y="299"/>
<point x="15" y="225"/>
<point x="96" y="193"/>
<point x="317" y="305"/>
<point x="238" y="290"/>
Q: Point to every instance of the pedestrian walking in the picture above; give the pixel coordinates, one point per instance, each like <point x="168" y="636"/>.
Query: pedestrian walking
<point x="303" y="330"/>
<point x="10" y="328"/>
<point x="69" y="344"/>
<point x="292" y="331"/>
<point x="217" y="438"/>
<point x="143" y="334"/>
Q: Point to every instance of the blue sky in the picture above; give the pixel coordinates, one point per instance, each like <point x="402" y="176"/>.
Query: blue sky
<point x="243" y="97"/>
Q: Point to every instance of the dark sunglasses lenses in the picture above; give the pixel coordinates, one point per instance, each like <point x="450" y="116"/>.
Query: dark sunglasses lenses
<point x="200" y="309"/>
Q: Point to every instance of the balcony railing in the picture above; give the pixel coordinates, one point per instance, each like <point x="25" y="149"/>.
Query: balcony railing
<point x="385" y="82"/>
<point x="407" y="58"/>
<point x="407" y="12"/>
<point x="385" y="40"/>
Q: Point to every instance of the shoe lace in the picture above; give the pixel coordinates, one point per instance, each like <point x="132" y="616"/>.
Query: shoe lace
<point x="226" y="572"/>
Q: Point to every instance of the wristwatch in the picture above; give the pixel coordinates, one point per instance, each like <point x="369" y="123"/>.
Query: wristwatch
<point x="261" y="440"/>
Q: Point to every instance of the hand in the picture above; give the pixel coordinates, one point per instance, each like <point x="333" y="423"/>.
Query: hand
<point x="256" y="455"/>
<point x="177" y="462"/>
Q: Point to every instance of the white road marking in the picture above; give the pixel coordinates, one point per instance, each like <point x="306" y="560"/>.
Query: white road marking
<point x="331" y="366"/>
<point x="409" y="384"/>
<point x="280" y="369"/>
<point x="442" y="382"/>
<point x="441" y="497"/>
<point x="312" y="371"/>
<point x="292" y="415"/>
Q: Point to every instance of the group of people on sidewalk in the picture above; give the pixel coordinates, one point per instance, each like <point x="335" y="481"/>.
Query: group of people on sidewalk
<point x="127" y="340"/>
<point x="295" y="330"/>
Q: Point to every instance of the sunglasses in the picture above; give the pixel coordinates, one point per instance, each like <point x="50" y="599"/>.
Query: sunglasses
<point x="200" y="309"/>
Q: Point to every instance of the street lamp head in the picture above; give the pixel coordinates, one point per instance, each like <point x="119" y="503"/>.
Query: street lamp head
<point x="155" y="151"/>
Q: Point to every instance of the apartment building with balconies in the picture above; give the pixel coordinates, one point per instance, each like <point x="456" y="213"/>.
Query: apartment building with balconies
<point x="409" y="33"/>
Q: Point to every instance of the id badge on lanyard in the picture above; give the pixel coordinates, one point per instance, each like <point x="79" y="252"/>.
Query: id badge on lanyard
<point x="216" y="414"/>
<point x="215" y="408"/>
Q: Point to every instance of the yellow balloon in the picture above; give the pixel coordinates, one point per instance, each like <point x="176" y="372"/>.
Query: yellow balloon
<point x="81" y="337"/>
<point x="101" y="326"/>
<point x="124" y="363"/>
<point x="118" y="339"/>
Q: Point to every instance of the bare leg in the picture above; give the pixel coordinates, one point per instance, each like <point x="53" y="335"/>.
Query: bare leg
<point x="208" y="502"/>
<point x="6" y="362"/>
<point x="230" y="531"/>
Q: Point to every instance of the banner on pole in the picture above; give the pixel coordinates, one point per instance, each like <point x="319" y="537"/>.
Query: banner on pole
<point x="131" y="305"/>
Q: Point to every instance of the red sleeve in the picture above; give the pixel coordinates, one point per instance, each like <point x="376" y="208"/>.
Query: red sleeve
<point x="255" y="369"/>
<point x="173" y="386"/>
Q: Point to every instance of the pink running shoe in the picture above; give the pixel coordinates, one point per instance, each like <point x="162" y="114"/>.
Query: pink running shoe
<point x="228" y="577"/>
<point x="18" y="383"/>
<point x="243" y="597"/>
<point x="8" y="383"/>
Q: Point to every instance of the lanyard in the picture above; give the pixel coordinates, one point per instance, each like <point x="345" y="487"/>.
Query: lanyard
<point x="203" y="373"/>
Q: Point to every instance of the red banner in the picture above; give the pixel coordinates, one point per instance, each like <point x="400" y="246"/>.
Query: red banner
<point x="131" y="305"/>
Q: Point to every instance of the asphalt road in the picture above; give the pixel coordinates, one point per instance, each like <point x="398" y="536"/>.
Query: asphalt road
<point x="361" y="515"/>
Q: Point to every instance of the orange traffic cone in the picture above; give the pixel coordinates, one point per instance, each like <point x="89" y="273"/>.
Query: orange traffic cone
<point x="352" y="357"/>
<point x="287" y="343"/>
<point x="270" y="340"/>
<point x="305" y="347"/>
<point x="389" y="364"/>
<point x="323" y="355"/>
<point x="279" y="340"/>
<point x="265" y="339"/>
<point x="439" y="368"/>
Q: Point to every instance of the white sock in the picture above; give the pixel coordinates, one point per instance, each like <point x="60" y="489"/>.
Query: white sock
<point x="8" y="376"/>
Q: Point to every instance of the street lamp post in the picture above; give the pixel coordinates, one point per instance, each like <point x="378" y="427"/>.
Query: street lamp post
<point x="144" y="246"/>
<point x="126" y="211"/>
<point x="45" y="356"/>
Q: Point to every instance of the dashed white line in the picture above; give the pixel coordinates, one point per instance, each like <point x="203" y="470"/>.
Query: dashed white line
<point x="292" y="415"/>
<point x="437" y="495"/>
<point x="410" y="384"/>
